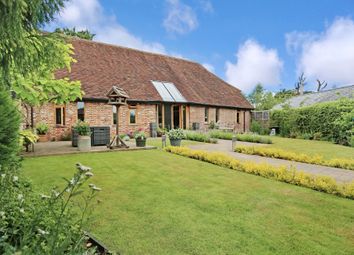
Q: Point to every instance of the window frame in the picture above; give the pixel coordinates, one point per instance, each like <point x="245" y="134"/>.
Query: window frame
<point x="62" y="116"/>
<point x="130" y="108"/>
<point x="206" y="114"/>
<point x="83" y="110"/>
<point x="238" y="117"/>
<point x="217" y="115"/>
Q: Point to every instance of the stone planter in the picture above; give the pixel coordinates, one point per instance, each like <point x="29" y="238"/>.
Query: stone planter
<point x="43" y="138"/>
<point x="140" y="142"/>
<point x="175" y="142"/>
<point x="84" y="143"/>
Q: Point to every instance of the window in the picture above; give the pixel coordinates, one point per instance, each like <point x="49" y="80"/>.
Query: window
<point x="60" y="116"/>
<point x="206" y="114"/>
<point x="81" y="111"/>
<point x="238" y="118"/>
<point x="159" y="115"/>
<point x="114" y="110"/>
<point x="132" y="115"/>
<point x="217" y="115"/>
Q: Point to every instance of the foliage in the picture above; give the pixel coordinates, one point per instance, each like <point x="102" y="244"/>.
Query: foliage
<point x="175" y="134"/>
<point x="310" y="159"/>
<point x="9" y="127"/>
<point x="352" y="141"/>
<point x="334" y="120"/>
<point x="27" y="137"/>
<point x="140" y="135"/>
<point x="253" y="138"/>
<point x="262" y="99"/>
<point x="282" y="173"/>
<point x="218" y="134"/>
<point x="82" y="128"/>
<point x="161" y="131"/>
<point x="29" y="57"/>
<point x="213" y="125"/>
<point x="84" y="34"/>
<point x="198" y="136"/>
<point x="256" y="127"/>
<point x="33" y="223"/>
<point x="42" y="128"/>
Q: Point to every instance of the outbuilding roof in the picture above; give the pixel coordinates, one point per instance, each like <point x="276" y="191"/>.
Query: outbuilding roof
<point x="318" y="97"/>
<point x="99" y="66"/>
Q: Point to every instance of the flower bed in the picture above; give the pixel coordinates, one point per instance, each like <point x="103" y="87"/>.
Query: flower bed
<point x="282" y="154"/>
<point x="199" y="137"/>
<point x="292" y="176"/>
<point x="251" y="138"/>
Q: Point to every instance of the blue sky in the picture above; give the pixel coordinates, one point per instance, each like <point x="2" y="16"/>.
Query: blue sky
<point x="243" y="42"/>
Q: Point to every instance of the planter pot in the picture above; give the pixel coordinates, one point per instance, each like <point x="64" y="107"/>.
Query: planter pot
<point x="175" y="142"/>
<point x="140" y="142"/>
<point x="43" y="138"/>
<point x="84" y="143"/>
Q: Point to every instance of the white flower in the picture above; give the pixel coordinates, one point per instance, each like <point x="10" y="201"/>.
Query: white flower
<point x="15" y="178"/>
<point x="96" y="188"/>
<point x="68" y="190"/>
<point x="56" y="193"/>
<point x="42" y="232"/>
<point x="82" y="168"/>
<point x="89" y="174"/>
<point x="72" y="181"/>
<point x="91" y="185"/>
<point x="44" y="196"/>
<point x="22" y="210"/>
<point x="20" y="197"/>
<point x="3" y="176"/>
<point x="2" y="214"/>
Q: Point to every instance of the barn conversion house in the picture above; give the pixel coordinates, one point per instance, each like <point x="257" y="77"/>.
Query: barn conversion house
<point x="168" y="91"/>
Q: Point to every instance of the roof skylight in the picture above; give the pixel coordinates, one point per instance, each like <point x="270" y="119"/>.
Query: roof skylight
<point x="168" y="91"/>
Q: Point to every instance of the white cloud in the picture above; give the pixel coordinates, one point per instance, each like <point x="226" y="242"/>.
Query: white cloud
<point x="206" y="6"/>
<point x="180" y="18"/>
<point x="89" y="14"/>
<point x="329" y="55"/>
<point x="209" y="67"/>
<point x="255" y="64"/>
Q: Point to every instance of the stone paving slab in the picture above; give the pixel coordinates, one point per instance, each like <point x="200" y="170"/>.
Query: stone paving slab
<point x="64" y="147"/>
<point x="341" y="175"/>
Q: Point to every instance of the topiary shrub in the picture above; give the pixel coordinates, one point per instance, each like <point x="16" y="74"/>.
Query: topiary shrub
<point x="9" y="128"/>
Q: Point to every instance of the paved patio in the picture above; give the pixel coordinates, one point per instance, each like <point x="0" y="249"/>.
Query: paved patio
<point x="64" y="147"/>
<point x="341" y="175"/>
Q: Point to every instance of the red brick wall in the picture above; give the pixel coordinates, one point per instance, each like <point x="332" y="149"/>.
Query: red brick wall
<point x="96" y="114"/>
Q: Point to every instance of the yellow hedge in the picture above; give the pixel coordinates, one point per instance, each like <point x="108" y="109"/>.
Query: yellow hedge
<point x="282" y="154"/>
<point x="282" y="173"/>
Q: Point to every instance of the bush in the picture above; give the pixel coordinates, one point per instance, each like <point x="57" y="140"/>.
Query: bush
<point x="33" y="223"/>
<point x="334" y="120"/>
<point x="282" y="173"/>
<point x="82" y="128"/>
<point x="175" y="134"/>
<point x="256" y="127"/>
<point x="253" y="138"/>
<point x="42" y="128"/>
<point x="282" y="154"/>
<point x="27" y="137"/>
<point x="140" y="135"/>
<point x="199" y="137"/>
<point x="352" y="141"/>
<point x="9" y="128"/>
<point x="317" y="136"/>
<point x="213" y="125"/>
<point x="221" y="135"/>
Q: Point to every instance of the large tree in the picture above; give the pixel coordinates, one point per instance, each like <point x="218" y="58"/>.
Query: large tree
<point x="262" y="99"/>
<point x="29" y="58"/>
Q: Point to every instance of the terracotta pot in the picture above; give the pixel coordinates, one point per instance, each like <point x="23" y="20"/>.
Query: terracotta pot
<point x="43" y="138"/>
<point x="84" y="143"/>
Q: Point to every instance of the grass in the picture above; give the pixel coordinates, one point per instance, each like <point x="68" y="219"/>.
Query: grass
<point x="325" y="149"/>
<point x="158" y="203"/>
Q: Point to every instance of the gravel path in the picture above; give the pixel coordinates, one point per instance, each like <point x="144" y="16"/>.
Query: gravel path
<point x="341" y="175"/>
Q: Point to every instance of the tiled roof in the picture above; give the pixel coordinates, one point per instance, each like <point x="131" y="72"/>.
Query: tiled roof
<point x="100" y="66"/>
<point x="318" y="97"/>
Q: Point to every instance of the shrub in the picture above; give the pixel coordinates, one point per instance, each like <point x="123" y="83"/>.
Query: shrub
<point x="9" y="127"/>
<point x="253" y="138"/>
<point x="140" y="135"/>
<point x="221" y="135"/>
<point x="213" y="125"/>
<point x="280" y="173"/>
<point x="42" y="128"/>
<point x="33" y="223"/>
<point x="256" y="127"/>
<point x="317" y="136"/>
<point x="82" y="128"/>
<point x="352" y="141"/>
<point x="293" y="156"/>
<point x="27" y="137"/>
<point x="199" y="137"/>
<point x="175" y="134"/>
<point x="333" y="120"/>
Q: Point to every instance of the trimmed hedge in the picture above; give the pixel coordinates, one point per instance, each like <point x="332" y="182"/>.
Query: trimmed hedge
<point x="199" y="137"/>
<point x="332" y="121"/>
<point x="293" y="156"/>
<point x="251" y="138"/>
<point x="315" y="182"/>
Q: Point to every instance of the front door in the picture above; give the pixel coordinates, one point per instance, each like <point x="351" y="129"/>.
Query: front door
<point x="176" y="116"/>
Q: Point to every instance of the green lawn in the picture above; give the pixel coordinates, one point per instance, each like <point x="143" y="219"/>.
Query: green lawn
<point x="328" y="150"/>
<point x="158" y="203"/>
